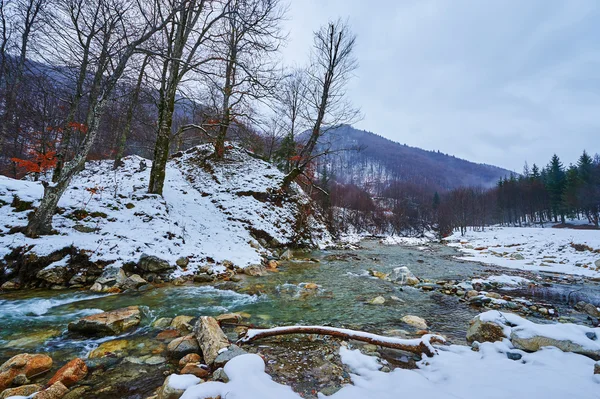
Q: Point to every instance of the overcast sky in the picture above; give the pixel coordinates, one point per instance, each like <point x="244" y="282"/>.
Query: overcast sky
<point x="493" y="81"/>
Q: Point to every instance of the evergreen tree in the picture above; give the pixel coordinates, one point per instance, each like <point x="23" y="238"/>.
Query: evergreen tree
<point x="556" y="185"/>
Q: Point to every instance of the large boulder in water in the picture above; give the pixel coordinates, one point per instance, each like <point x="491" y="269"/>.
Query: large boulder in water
<point x="210" y="338"/>
<point x="153" y="264"/>
<point x="108" y="323"/>
<point x="403" y="276"/>
<point x="25" y="364"/>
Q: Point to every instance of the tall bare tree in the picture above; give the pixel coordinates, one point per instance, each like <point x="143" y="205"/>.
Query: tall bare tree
<point x="332" y="65"/>
<point x="125" y="28"/>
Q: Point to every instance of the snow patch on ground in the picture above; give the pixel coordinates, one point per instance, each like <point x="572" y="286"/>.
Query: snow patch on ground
<point x="532" y="248"/>
<point x="502" y="279"/>
<point x="406" y="241"/>
<point x="209" y="210"/>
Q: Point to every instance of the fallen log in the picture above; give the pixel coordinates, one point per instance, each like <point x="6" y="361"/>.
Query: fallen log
<point x="421" y="345"/>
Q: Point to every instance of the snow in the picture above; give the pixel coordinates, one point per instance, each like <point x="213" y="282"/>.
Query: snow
<point x="532" y="248"/>
<point x="406" y="241"/>
<point x="502" y="279"/>
<point x="208" y="211"/>
<point x="182" y="382"/>
<point x="457" y="372"/>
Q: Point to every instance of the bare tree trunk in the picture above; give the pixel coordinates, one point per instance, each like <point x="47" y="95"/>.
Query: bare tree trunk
<point x="162" y="146"/>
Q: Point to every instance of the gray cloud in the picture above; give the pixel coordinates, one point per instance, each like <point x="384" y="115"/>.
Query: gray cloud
<point x="498" y="81"/>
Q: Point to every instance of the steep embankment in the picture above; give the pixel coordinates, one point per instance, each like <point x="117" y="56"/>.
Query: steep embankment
<point x="211" y="212"/>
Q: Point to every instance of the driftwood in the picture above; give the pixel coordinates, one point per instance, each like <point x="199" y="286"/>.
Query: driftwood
<point x="419" y="345"/>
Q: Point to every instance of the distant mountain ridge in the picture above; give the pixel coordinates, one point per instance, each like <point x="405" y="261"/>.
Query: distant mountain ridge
<point x="380" y="161"/>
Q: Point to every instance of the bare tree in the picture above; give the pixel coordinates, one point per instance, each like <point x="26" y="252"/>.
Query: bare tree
<point x="250" y="36"/>
<point x="332" y="65"/>
<point x="183" y="41"/>
<point x="124" y="29"/>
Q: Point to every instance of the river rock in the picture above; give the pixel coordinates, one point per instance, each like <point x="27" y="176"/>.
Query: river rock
<point x="597" y="368"/>
<point x="195" y="369"/>
<point x="484" y="331"/>
<point x="134" y="281"/>
<point x="168" y="335"/>
<point x="182" y="346"/>
<point x="183" y="261"/>
<point x="153" y="264"/>
<point x="415" y="321"/>
<point x="231" y="318"/>
<point x="108" y="323"/>
<point x="220" y="375"/>
<point x="71" y="373"/>
<point x="255" y="270"/>
<point x="24" y="390"/>
<point x="403" y="276"/>
<point x="286" y="255"/>
<point x="112" y="276"/>
<point x="54" y="274"/>
<point x="11" y="285"/>
<point x="182" y="323"/>
<point x="522" y="340"/>
<point x="588" y="308"/>
<point x="203" y="278"/>
<point x="113" y="348"/>
<point x="379" y="300"/>
<point x="210" y="337"/>
<point x="23" y="365"/>
<point x="190" y="358"/>
<point x="230" y="353"/>
<point x="163" y="322"/>
<point x="55" y="391"/>
<point x="175" y="385"/>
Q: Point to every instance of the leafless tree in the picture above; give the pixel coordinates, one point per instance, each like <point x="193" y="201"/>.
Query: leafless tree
<point x="124" y="29"/>
<point x="332" y="65"/>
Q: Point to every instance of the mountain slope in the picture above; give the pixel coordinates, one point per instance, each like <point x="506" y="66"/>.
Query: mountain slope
<point x="380" y="161"/>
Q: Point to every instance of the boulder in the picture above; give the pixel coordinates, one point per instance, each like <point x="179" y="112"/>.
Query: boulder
<point x="182" y="323"/>
<point x="163" y="322"/>
<point x="112" y="276"/>
<point x="484" y="331"/>
<point x="379" y="300"/>
<point x="24" y="365"/>
<point x="403" y="276"/>
<point x="54" y="274"/>
<point x="255" y="270"/>
<point x="182" y="346"/>
<point x="220" y="375"/>
<point x="153" y="264"/>
<point x="108" y="323"/>
<point x="210" y="338"/>
<point x="588" y="309"/>
<point x="597" y="368"/>
<point x="231" y="318"/>
<point x="71" y="373"/>
<point x="286" y="255"/>
<point x="24" y="390"/>
<point x="526" y="342"/>
<point x="175" y="385"/>
<point x="415" y="321"/>
<point x="112" y="348"/>
<point x="11" y="285"/>
<point x="196" y="369"/>
<point x="54" y="391"/>
<point x="190" y="358"/>
<point x="168" y="335"/>
<point x="203" y="278"/>
<point x="230" y="353"/>
<point x="133" y="282"/>
<point x="183" y="261"/>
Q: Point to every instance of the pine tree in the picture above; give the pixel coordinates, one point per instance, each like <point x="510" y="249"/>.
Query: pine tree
<point x="556" y="186"/>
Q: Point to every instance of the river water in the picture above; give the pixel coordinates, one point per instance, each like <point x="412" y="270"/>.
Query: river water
<point x="36" y="321"/>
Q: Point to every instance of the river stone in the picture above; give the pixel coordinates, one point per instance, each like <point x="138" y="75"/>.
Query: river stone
<point x="112" y="276"/>
<point x="153" y="360"/>
<point x="108" y="323"/>
<point x="379" y="300"/>
<point x="153" y="264"/>
<point x="403" y="276"/>
<point x="182" y="346"/>
<point x="231" y="318"/>
<point x="484" y="331"/>
<point x="175" y="385"/>
<point x="182" y="323"/>
<point x="55" y="391"/>
<point x="203" y="278"/>
<point x="597" y="368"/>
<point x="287" y="255"/>
<point x="54" y="275"/>
<point x="230" y="353"/>
<point x="183" y="261"/>
<point x="24" y="390"/>
<point x="163" y="322"/>
<point x="71" y="373"/>
<point x="597" y="263"/>
<point x="220" y="375"/>
<point x="113" y="348"/>
<point x="588" y="308"/>
<point x="190" y="358"/>
<point x="210" y="337"/>
<point x="533" y="344"/>
<point x="415" y="321"/>
<point x="23" y="365"/>
<point x="196" y="369"/>
<point x="255" y="270"/>
<point x="133" y="282"/>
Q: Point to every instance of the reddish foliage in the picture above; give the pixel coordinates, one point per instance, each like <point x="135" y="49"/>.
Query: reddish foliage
<point x="39" y="163"/>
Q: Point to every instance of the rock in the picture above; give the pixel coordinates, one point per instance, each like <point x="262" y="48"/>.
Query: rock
<point x="24" y="364"/>
<point x="379" y="300"/>
<point x="134" y="282"/>
<point x="71" y="373"/>
<point x="168" y="335"/>
<point x="182" y="346"/>
<point x="403" y="276"/>
<point x="591" y="335"/>
<point x="174" y="386"/>
<point x="153" y="264"/>
<point x="229" y="318"/>
<point x="379" y="275"/>
<point x="110" y="347"/>
<point x="190" y="358"/>
<point x="255" y="270"/>
<point x="97" y="287"/>
<point x="154" y="360"/>
<point x="108" y="323"/>
<point x="597" y="368"/>
<point x="181" y="323"/>
<point x="11" y="285"/>
<point x="55" y="391"/>
<point x="210" y="337"/>
<point x="230" y="353"/>
<point x="220" y="375"/>
<point x="112" y="276"/>
<point x="472" y="294"/>
<point x="195" y="369"/>
<point x="529" y="343"/>
<point x="54" y="274"/>
<point x="183" y="261"/>
<point x="272" y="264"/>
<point x="518" y="257"/>
<point x="588" y="309"/>
<point x="203" y="278"/>
<point x="286" y="255"/>
<point x="415" y="321"/>
<point x="311" y="286"/>
<point x="493" y="295"/>
<point x="484" y="331"/>
<point x="163" y="322"/>
<point x="76" y="393"/>
<point x="84" y="229"/>
<point x="24" y="390"/>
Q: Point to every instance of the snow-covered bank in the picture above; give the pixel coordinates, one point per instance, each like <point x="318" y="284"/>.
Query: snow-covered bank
<point x="211" y="211"/>
<point x="534" y="249"/>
